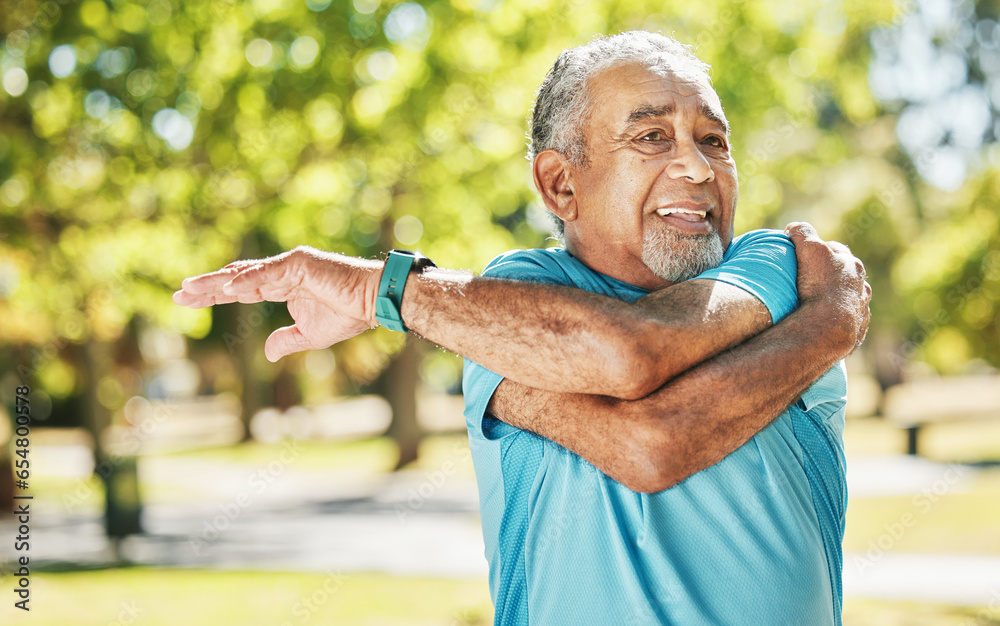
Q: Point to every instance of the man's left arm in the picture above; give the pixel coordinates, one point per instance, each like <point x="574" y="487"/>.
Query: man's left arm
<point x="698" y="418"/>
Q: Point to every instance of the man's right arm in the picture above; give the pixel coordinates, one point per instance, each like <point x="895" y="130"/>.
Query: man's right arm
<point x="568" y="340"/>
<point x="547" y="336"/>
<point x="556" y="338"/>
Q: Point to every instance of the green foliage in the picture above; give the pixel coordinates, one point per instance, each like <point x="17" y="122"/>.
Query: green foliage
<point x="144" y="141"/>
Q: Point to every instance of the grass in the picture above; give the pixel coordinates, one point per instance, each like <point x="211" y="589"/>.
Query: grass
<point x="881" y="613"/>
<point x="377" y="454"/>
<point x="966" y="520"/>
<point x="963" y="521"/>
<point x="166" y="597"/>
<point x="959" y="522"/>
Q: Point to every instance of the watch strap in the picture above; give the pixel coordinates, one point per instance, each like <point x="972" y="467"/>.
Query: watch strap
<point x="390" y="289"/>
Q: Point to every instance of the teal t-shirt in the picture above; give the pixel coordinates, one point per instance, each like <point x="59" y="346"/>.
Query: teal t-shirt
<point x="754" y="539"/>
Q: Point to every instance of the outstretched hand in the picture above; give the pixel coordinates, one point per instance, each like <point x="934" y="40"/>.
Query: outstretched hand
<point x="330" y="296"/>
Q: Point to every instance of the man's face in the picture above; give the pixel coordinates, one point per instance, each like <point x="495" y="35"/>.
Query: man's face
<point x="655" y="202"/>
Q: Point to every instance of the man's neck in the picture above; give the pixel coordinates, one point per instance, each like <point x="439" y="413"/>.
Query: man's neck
<point x="635" y="274"/>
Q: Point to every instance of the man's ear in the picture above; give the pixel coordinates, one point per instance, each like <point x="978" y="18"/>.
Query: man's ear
<point x="553" y="179"/>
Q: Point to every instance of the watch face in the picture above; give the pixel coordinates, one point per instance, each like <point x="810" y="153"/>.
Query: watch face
<point x="419" y="260"/>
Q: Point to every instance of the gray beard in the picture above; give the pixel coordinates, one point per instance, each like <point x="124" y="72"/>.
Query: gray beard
<point x="675" y="256"/>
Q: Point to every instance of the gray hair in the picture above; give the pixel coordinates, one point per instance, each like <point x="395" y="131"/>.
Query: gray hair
<point x="562" y="103"/>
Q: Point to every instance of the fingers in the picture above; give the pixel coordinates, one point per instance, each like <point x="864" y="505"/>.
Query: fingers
<point x="270" y="279"/>
<point x="247" y="281"/>
<point x="285" y="341"/>
<point x="838" y="247"/>
<point x="828" y="269"/>
<point x="207" y="289"/>
<point x="211" y="283"/>
<point x="198" y="301"/>
<point x="801" y="231"/>
<point x="866" y="315"/>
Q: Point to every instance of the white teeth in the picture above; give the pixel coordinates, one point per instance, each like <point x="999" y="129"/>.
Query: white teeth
<point x="665" y="212"/>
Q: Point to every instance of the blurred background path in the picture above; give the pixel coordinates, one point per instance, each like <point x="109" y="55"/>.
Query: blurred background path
<point x="405" y="523"/>
<point x="289" y="515"/>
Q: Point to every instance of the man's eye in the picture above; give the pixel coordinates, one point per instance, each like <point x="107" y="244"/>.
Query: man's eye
<point x="656" y="135"/>
<point x="715" y="140"/>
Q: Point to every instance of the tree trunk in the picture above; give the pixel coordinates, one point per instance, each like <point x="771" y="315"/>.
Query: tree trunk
<point x="286" y="390"/>
<point x="6" y="483"/>
<point x="887" y="354"/>
<point x="244" y="340"/>
<point x="119" y="475"/>
<point x="244" y="323"/>
<point x="96" y="417"/>
<point x="398" y="385"/>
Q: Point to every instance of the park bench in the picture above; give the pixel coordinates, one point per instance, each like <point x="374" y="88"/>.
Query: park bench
<point x="937" y="400"/>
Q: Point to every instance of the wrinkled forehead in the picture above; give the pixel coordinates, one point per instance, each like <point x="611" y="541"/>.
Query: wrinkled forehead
<point x="683" y="81"/>
<point x="689" y="81"/>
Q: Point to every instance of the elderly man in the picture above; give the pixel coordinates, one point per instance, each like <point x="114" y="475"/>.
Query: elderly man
<point x="648" y="450"/>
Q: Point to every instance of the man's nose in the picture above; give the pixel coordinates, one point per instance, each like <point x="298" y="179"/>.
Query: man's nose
<point x="691" y="164"/>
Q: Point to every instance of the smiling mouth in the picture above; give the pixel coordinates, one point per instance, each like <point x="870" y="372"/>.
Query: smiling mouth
<point x="685" y="214"/>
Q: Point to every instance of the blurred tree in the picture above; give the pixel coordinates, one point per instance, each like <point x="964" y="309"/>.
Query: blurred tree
<point x="936" y="72"/>
<point x="143" y="141"/>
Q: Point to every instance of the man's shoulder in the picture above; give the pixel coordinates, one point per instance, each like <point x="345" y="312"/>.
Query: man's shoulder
<point x="762" y="238"/>
<point x="521" y="264"/>
<point x="761" y="262"/>
<point x="554" y="266"/>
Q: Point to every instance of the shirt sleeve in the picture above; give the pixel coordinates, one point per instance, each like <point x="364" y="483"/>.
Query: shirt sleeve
<point x="761" y="262"/>
<point x="479" y="383"/>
